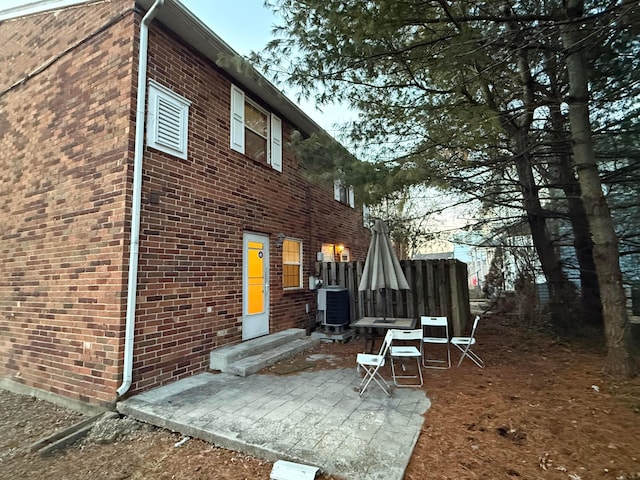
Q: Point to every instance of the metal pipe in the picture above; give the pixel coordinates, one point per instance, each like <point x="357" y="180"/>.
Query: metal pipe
<point x="134" y="244"/>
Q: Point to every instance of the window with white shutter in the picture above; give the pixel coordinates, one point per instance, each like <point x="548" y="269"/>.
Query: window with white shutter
<point x="337" y="190"/>
<point x="254" y="132"/>
<point x="167" y="120"/>
<point x="343" y="193"/>
<point x="366" y="216"/>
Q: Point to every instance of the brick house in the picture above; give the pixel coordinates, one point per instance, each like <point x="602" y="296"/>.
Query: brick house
<point x="151" y="246"/>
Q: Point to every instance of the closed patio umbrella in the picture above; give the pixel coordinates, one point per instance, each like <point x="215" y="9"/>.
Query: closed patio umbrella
<point x="382" y="269"/>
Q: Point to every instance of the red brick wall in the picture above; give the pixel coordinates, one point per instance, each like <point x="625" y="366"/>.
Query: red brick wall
<point x="195" y="212"/>
<point x="64" y="134"/>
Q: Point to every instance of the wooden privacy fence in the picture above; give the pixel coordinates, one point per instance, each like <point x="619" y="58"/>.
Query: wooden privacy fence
<point x="438" y="288"/>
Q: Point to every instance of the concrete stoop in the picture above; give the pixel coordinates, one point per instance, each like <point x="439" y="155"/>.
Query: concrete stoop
<point x="249" y="357"/>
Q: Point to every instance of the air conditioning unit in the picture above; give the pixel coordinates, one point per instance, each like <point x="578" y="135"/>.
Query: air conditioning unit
<point x="333" y="306"/>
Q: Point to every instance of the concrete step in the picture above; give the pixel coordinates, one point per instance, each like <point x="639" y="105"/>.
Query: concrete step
<point x="257" y="362"/>
<point x="221" y="358"/>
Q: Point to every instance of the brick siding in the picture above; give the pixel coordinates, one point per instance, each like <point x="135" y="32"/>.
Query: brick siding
<point x="67" y="142"/>
<point x="194" y="214"/>
<point x="64" y="139"/>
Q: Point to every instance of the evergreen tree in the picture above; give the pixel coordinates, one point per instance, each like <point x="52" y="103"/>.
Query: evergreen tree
<point x="477" y="95"/>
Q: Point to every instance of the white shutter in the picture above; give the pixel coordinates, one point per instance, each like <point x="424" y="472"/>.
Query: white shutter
<point x="276" y="143"/>
<point x="366" y="216"/>
<point x="237" y="119"/>
<point x="337" y="185"/>
<point x="352" y="200"/>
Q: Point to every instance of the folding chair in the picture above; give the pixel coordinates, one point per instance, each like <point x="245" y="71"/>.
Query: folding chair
<point x="464" y="345"/>
<point x="405" y="351"/>
<point x="372" y="363"/>
<point x="435" y="331"/>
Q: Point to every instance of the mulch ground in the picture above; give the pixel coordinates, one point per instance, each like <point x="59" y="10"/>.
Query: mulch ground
<point x="541" y="409"/>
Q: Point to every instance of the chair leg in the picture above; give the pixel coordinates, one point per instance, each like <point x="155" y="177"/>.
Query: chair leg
<point x="372" y="374"/>
<point x="418" y="366"/>
<point x="400" y="385"/>
<point x="475" y="358"/>
<point x="467" y="352"/>
<point x="434" y="363"/>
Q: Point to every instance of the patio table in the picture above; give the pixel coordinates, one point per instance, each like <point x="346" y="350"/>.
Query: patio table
<point x="371" y="325"/>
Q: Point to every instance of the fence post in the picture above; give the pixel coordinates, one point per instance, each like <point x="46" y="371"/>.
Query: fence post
<point x="358" y="294"/>
<point x="422" y="285"/>
<point x="410" y="297"/>
<point x="455" y="318"/>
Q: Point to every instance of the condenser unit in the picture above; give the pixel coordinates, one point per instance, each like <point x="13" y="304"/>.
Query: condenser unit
<point x="333" y="306"/>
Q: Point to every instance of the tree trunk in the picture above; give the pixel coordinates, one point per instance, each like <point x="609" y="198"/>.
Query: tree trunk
<point x="620" y="361"/>
<point x="582" y="243"/>
<point x="562" y="294"/>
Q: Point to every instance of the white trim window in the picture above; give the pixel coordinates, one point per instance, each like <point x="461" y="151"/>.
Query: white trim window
<point x="254" y="131"/>
<point x="291" y="263"/>
<point x="343" y="193"/>
<point x="167" y="120"/>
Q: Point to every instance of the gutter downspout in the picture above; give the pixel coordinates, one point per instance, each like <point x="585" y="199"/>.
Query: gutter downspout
<point x="134" y="244"/>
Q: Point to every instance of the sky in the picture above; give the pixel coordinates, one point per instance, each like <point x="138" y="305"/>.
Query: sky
<point x="244" y="32"/>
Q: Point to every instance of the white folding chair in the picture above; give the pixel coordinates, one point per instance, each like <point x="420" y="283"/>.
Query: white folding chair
<point x="405" y="351"/>
<point x="464" y="345"/>
<point x="371" y="365"/>
<point x="435" y="331"/>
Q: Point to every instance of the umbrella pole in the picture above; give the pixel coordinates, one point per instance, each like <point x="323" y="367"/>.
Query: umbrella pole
<point x="384" y="304"/>
<point x="383" y="294"/>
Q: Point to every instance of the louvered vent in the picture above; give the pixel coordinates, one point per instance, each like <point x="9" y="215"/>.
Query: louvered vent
<point x="167" y="120"/>
<point x="169" y="124"/>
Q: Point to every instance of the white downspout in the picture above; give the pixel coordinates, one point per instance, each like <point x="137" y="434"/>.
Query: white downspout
<point x="137" y="194"/>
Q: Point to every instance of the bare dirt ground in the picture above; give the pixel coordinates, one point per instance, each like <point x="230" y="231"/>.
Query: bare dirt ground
<point x="541" y="409"/>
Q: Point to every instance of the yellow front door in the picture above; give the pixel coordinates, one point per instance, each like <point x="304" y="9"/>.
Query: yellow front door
<point x="255" y="318"/>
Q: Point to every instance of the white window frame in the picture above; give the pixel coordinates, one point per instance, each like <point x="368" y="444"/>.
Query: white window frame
<point x="338" y="187"/>
<point x="366" y="216"/>
<point x="274" y="140"/>
<point x="299" y="264"/>
<point x="167" y="120"/>
<point x="267" y="138"/>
